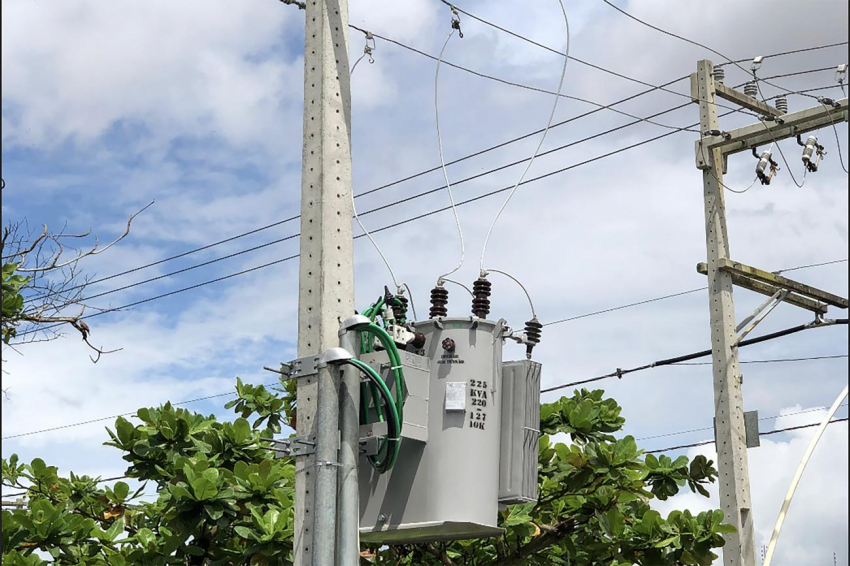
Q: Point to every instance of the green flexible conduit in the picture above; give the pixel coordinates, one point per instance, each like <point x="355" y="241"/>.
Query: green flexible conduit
<point x="388" y="453"/>
<point x="377" y="393"/>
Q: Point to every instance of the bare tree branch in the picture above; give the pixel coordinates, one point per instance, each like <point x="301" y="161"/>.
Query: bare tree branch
<point x="99" y="351"/>
<point x="92" y="252"/>
<point x="25" y="252"/>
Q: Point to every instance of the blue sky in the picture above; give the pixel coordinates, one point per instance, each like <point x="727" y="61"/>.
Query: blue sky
<point x="198" y="107"/>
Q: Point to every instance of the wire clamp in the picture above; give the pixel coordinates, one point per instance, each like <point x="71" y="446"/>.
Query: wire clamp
<point x="456" y="21"/>
<point x="718" y="133"/>
<point x="368" y="49"/>
<point x="826" y="101"/>
<point x="619" y="373"/>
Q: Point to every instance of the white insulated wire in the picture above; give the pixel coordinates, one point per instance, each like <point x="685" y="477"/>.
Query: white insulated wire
<point x="524" y="290"/>
<point x="787" y="503"/>
<point x="403" y="285"/>
<point x="443" y="161"/>
<point x="542" y="138"/>
<point x="742" y="191"/>
<point x="398" y="286"/>
<point x="459" y="284"/>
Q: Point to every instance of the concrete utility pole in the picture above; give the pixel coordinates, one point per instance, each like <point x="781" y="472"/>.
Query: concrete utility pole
<point x="712" y="150"/>
<point x="728" y="400"/>
<point x="326" y="279"/>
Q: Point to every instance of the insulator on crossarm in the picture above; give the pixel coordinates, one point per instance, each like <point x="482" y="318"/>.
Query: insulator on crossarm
<point x="751" y="89"/>
<point x="481" y="297"/>
<point x="439" y="300"/>
<point x="533" y="331"/>
<point x="719" y="74"/>
<point x="782" y="104"/>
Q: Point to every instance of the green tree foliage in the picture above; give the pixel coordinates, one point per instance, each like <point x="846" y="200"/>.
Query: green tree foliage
<point x="13" y="301"/>
<point x="222" y="498"/>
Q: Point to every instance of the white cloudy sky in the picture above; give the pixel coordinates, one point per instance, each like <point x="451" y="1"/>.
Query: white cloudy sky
<point x="107" y="106"/>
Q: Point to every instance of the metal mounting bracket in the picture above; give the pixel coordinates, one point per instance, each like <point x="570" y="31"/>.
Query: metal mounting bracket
<point x="303" y="367"/>
<point x="759" y="314"/>
<point x="751" y="429"/>
<point x="370" y="446"/>
<point x="295" y="446"/>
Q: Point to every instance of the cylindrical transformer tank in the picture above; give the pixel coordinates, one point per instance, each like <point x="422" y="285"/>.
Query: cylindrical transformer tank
<point x="447" y="488"/>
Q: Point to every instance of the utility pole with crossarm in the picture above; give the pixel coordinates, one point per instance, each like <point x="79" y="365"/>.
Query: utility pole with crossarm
<point x="712" y="151"/>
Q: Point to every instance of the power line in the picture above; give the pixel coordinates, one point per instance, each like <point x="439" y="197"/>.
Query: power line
<point x="784" y="53"/>
<point x="674" y="295"/>
<point x="555" y="51"/>
<point x="622" y="76"/>
<point x="543" y="90"/>
<point x="474" y="199"/>
<point x="412" y="219"/>
<point x="619" y="373"/>
<point x="164" y="295"/>
<point x="127" y="414"/>
<point x="768" y="433"/>
<point x="692" y="42"/>
<point x="190" y="268"/>
<point x="630" y="305"/>
<point x="810" y="265"/>
<point x="776" y="361"/>
<point x="419" y="174"/>
<point x="408" y="199"/>
<point x="703" y="429"/>
<point x="694" y="445"/>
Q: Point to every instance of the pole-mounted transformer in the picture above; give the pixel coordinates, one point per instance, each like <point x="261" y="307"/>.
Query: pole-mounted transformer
<point x="470" y="425"/>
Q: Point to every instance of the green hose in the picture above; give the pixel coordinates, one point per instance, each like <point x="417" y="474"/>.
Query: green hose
<point x="378" y="394"/>
<point x="391" y="444"/>
<point x="395" y="361"/>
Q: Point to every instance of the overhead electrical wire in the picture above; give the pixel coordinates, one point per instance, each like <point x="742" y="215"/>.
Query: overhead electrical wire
<point x="130" y="413"/>
<point x="389" y="226"/>
<point x="116" y="478"/>
<point x="127" y="414"/>
<point x="418" y="217"/>
<point x="666" y="435"/>
<point x="768" y="433"/>
<point x="692" y="42"/>
<point x="837" y="139"/>
<point x="776" y="361"/>
<point x="577" y="60"/>
<point x="619" y="373"/>
<point x="474" y="199"/>
<point x="442" y="158"/>
<point x="694" y="445"/>
<point x="792" y="52"/>
<point x="543" y="90"/>
<point x="810" y="265"/>
<point x="408" y="178"/>
<point x="513" y="191"/>
<point x="703" y="429"/>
